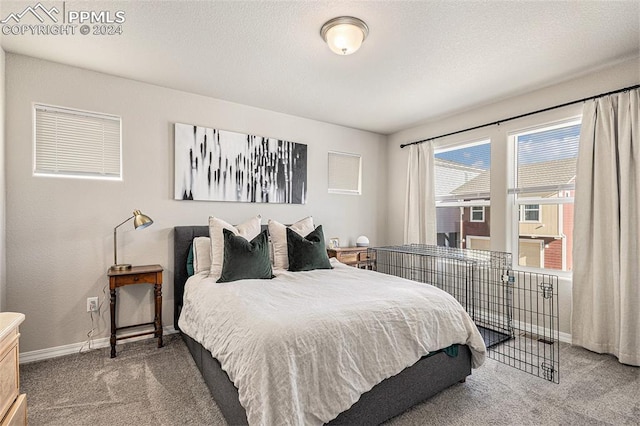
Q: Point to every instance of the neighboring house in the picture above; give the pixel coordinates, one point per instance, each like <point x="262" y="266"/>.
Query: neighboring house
<point x="545" y="236"/>
<point x="450" y="175"/>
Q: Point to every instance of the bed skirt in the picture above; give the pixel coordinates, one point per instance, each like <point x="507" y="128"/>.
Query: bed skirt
<point x="393" y="396"/>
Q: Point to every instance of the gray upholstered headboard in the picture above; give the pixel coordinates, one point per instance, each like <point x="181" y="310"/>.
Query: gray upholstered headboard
<point x="182" y="239"/>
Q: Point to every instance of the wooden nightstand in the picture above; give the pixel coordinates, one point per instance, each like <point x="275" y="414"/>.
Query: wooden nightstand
<point x="353" y="256"/>
<point x="148" y="274"/>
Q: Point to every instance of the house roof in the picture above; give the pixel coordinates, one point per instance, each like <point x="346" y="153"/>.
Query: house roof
<point x="529" y="175"/>
<point x="451" y="175"/>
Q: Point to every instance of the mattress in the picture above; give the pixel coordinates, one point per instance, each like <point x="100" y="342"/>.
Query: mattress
<point x="302" y="347"/>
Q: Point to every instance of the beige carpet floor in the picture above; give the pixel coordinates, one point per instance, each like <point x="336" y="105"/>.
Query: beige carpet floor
<point x="149" y="386"/>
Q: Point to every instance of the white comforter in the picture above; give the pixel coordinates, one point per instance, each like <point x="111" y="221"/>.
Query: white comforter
<point x="301" y="348"/>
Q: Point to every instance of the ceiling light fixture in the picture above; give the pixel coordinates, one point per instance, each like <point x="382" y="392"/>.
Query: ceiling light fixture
<point x="344" y="34"/>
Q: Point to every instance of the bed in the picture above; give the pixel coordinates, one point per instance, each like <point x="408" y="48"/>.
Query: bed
<point x="394" y="394"/>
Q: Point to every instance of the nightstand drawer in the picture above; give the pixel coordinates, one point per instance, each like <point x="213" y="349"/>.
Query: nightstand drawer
<point x="149" y="278"/>
<point x="348" y="257"/>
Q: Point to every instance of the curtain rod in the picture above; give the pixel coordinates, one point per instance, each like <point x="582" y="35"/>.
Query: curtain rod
<point x="522" y="115"/>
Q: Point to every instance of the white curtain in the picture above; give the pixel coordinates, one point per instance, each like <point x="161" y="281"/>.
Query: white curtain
<point x="606" y="275"/>
<point x="420" y="205"/>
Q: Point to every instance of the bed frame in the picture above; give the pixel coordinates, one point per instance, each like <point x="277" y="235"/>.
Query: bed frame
<point x="388" y="399"/>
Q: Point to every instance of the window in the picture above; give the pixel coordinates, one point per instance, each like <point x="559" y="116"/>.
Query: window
<point x="344" y="173"/>
<point x="73" y="143"/>
<point x="530" y="213"/>
<point x="543" y="188"/>
<point x="463" y="175"/>
<point x="477" y="213"/>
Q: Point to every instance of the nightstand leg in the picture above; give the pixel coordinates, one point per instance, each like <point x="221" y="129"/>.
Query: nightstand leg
<point x="112" y="307"/>
<point x="158" y="312"/>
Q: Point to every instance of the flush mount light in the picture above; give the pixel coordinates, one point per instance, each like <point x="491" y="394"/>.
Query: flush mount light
<point x="344" y="34"/>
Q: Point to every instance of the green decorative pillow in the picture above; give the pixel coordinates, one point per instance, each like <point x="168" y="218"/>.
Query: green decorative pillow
<point x="245" y="259"/>
<point x="307" y="253"/>
<point x="190" y="270"/>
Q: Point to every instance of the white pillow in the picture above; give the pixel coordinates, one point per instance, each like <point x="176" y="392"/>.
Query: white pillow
<point x="201" y="254"/>
<point x="278" y="233"/>
<point x="249" y="230"/>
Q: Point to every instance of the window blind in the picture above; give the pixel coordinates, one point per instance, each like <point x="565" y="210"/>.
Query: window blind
<point x="463" y="173"/>
<point x="546" y="160"/>
<point x="76" y="143"/>
<point x="344" y="173"/>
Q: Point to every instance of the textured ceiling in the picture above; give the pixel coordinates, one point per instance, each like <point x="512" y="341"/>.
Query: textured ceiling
<point x="422" y="59"/>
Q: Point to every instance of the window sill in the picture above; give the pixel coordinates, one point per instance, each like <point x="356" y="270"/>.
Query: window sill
<point x="566" y="275"/>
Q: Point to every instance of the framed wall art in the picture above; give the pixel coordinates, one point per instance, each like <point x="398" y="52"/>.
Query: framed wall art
<point x="218" y="165"/>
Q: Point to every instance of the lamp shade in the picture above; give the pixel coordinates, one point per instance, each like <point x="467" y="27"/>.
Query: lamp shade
<point x="344" y="34"/>
<point x="141" y="220"/>
<point x="362" y="241"/>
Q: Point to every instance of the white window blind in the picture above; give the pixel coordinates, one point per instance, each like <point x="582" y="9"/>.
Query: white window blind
<point x="546" y="160"/>
<point x="76" y="143"/>
<point x="344" y="173"/>
<point x="462" y="179"/>
<point x="463" y="173"/>
<point x="543" y="184"/>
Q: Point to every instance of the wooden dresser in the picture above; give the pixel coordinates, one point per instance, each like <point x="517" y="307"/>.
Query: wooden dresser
<point x="13" y="406"/>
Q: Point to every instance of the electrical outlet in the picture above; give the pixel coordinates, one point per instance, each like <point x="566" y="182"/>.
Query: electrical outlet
<point x="92" y="304"/>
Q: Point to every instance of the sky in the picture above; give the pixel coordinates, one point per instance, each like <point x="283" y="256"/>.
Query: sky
<point x="476" y="156"/>
<point x="556" y="144"/>
<point x="533" y="147"/>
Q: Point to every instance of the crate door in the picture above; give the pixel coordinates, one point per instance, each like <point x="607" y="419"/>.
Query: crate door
<point x="531" y="341"/>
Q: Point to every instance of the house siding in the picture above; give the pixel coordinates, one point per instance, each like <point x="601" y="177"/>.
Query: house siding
<point x="553" y="254"/>
<point x="475" y="229"/>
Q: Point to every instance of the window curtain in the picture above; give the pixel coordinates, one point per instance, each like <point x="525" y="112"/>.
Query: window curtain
<point x="420" y="206"/>
<point x="606" y="275"/>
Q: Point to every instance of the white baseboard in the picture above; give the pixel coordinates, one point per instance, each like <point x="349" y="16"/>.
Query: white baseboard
<point x="74" y="348"/>
<point x="565" y="337"/>
<point x="562" y="337"/>
<point x="523" y="326"/>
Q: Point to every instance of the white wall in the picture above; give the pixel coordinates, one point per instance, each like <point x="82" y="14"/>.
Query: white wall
<point x="620" y="75"/>
<point x="59" y="231"/>
<point x="3" y="257"/>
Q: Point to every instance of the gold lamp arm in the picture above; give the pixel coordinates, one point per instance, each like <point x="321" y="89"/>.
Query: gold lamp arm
<point x="115" y="241"/>
<point x="141" y="221"/>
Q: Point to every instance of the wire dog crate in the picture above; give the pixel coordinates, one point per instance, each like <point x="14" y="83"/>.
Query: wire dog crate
<point x="516" y="312"/>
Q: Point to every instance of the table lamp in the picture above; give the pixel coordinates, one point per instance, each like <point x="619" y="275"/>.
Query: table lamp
<point x="140" y="221"/>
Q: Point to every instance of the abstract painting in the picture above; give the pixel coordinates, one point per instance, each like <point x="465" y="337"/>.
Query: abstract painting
<point x="217" y="165"/>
